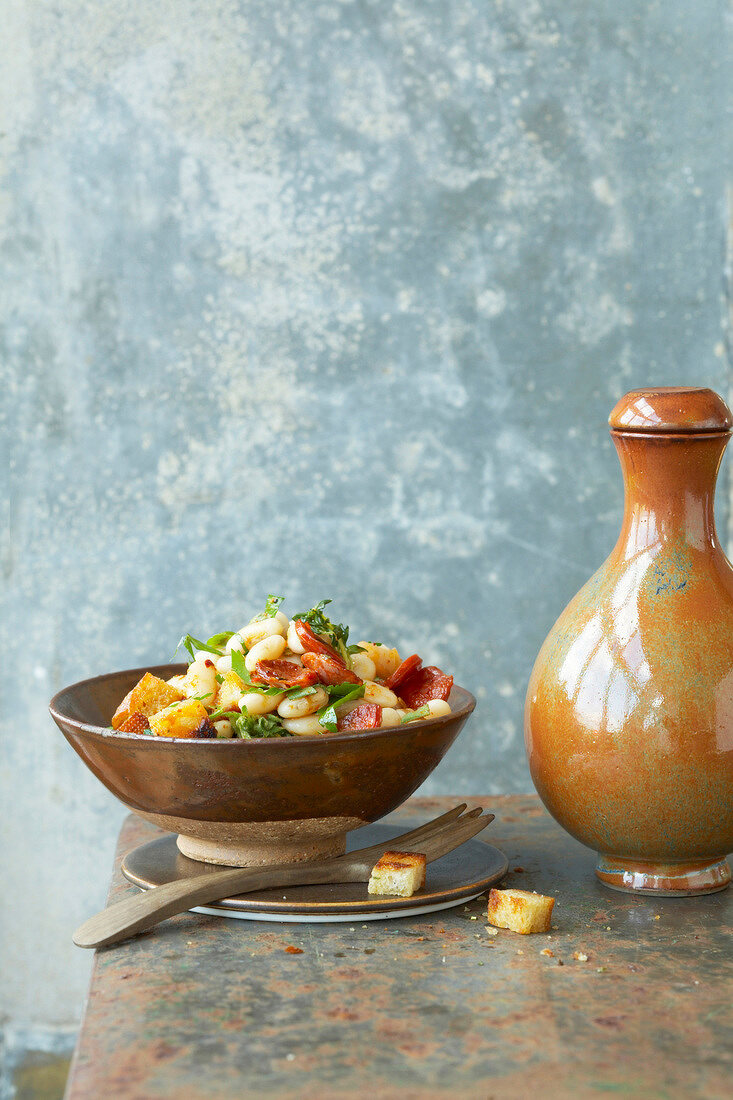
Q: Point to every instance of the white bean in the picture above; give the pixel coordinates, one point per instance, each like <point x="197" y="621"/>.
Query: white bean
<point x="224" y="664"/>
<point x="292" y="658"/>
<point x="391" y="717"/>
<point x="437" y="708"/>
<point x="378" y="693"/>
<point x="201" y="680"/>
<point x="254" y="702"/>
<point x="294" y="643"/>
<point x="255" y="631"/>
<point x="301" y="708"/>
<point x="363" y="666"/>
<point x="269" y="649"/>
<point x="235" y="642"/>
<point x="203" y="655"/>
<point x="223" y="728"/>
<point x="303" y="727"/>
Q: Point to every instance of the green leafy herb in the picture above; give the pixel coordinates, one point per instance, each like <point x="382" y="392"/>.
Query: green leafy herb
<point x="239" y="666"/>
<point x="219" y="678"/>
<point x="351" y="649"/>
<point x="300" y="693"/>
<point x="249" y="726"/>
<point x="216" y="715"/>
<point x="192" y="644"/>
<point x="327" y="715"/>
<point x="220" y="640"/>
<point x="411" y="715"/>
<point x="336" y="633"/>
<point x="338" y="691"/>
<point x="272" y="606"/>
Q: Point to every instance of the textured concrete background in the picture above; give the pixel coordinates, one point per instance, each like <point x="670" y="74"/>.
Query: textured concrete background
<point x="330" y="300"/>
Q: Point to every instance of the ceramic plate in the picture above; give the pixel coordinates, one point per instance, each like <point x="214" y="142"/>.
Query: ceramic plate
<point x="452" y="880"/>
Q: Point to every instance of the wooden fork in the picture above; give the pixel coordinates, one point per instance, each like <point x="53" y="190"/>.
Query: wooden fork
<point x="136" y="914"/>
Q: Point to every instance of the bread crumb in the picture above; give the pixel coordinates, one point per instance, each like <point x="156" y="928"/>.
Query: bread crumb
<point x="546" y="951"/>
<point x="580" y="956"/>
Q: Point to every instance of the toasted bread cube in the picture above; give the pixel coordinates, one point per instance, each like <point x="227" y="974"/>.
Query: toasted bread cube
<point x="136" y="723"/>
<point x="230" y="692"/>
<point x="386" y="660"/>
<point x="177" y="682"/>
<point x="123" y="712"/>
<point x="179" y="719"/>
<point x="398" y="873"/>
<point x="520" y="911"/>
<point x="149" y="695"/>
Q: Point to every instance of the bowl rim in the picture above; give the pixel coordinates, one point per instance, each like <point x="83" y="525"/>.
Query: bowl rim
<point x="106" y="732"/>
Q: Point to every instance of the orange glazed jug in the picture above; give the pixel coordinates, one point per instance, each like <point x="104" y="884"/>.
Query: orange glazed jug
<point x="629" y="711"/>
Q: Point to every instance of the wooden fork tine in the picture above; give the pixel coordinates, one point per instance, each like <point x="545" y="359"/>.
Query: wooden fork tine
<point x="420" y="840"/>
<point x="421" y="831"/>
<point x="453" y="838"/>
<point x="450" y="837"/>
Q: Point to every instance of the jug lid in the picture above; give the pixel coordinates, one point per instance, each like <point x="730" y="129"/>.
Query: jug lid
<point x="671" y="409"/>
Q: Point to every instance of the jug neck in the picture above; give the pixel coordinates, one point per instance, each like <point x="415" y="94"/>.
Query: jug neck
<point x="669" y="488"/>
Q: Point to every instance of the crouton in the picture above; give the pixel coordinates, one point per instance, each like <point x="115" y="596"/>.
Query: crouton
<point x="398" y="873"/>
<point x="149" y="695"/>
<point x="136" y="723"/>
<point x="177" y="682"/>
<point x="230" y="692"/>
<point x="123" y="712"/>
<point x="520" y="911"/>
<point x="179" y="719"/>
<point x="386" y="660"/>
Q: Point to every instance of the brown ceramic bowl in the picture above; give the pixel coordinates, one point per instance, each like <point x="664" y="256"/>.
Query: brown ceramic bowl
<point x="245" y="803"/>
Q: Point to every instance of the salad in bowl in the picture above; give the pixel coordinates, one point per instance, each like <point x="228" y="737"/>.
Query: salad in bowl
<point x="284" y="677"/>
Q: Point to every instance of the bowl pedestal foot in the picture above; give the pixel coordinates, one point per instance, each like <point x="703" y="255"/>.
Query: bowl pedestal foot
<point x="237" y="852"/>
<point x="672" y="880"/>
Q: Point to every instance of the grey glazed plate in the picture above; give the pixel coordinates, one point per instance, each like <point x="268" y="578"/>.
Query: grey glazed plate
<point x="458" y="877"/>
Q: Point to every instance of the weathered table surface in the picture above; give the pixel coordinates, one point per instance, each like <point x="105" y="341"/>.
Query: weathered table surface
<point x="423" y="1007"/>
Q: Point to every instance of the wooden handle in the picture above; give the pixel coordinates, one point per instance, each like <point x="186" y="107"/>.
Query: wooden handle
<point x="143" y="911"/>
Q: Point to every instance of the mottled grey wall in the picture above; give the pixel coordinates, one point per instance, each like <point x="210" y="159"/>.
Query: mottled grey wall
<point x="329" y="299"/>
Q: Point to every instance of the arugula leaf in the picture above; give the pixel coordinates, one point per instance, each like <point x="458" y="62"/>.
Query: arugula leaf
<point x="272" y="606"/>
<point x="411" y="715"/>
<point x="192" y="644"/>
<point x="336" y="691"/>
<point x="249" y="726"/>
<point x="327" y="715"/>
<point x="336" y="633"/>
<point x="300" y="693"/>
<point x="350" y="649"/>
<point x="239" y="666"/>
<point x="220" y="639"/>
<point x="223" y="713"/>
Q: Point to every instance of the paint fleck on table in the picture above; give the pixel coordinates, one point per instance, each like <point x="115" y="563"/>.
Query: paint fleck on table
<point x="626" y="995"/>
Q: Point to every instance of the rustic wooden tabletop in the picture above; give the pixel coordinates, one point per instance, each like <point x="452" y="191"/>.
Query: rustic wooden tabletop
<point x="425" y="1007"/>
